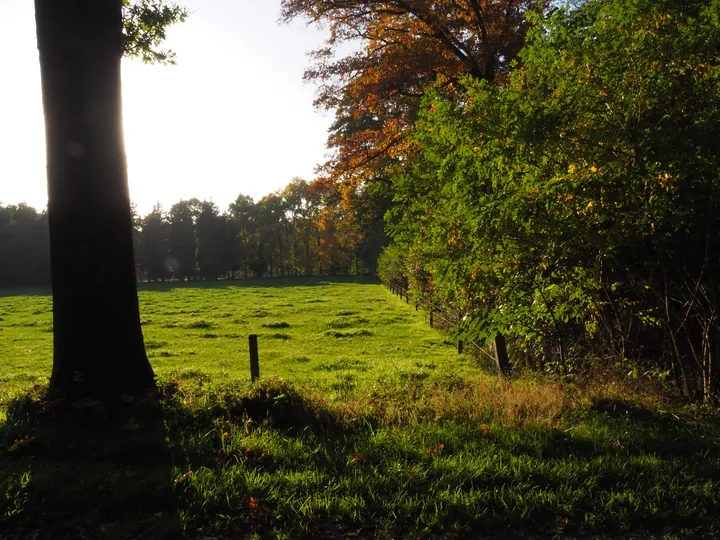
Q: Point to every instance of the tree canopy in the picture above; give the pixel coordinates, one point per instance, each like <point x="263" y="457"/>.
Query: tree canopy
<point x="405" y="46"/>
<point x="145" y="24"/>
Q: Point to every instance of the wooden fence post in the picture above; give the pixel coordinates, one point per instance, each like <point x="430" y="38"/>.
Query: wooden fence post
<point x="501" y="355"/>
<point x="460" y="341"/>
<point x="254" y="358"/>
<point x="431" y="315"/>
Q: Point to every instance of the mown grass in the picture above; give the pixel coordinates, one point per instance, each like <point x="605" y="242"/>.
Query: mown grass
<point x="401" y="451"/>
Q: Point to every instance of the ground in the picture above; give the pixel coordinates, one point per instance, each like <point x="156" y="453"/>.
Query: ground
<point x="366" y="423"/>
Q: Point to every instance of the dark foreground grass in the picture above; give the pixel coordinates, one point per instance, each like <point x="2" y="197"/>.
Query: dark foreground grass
<point x="437" y="458"/>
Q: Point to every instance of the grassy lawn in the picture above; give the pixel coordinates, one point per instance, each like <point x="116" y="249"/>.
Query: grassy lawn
<point x="366" y="423"/>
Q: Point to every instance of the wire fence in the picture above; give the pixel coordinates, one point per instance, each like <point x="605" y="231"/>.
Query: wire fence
<point x="444" y="319"/>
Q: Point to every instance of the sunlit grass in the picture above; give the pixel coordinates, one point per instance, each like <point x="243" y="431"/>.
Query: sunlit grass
<point x="339" y="336"/>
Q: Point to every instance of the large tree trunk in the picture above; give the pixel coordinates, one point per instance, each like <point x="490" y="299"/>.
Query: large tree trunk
<point x="98" y="348"/>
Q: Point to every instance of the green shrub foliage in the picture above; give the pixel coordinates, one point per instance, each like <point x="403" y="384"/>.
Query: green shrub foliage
<point x="574" y="206"/>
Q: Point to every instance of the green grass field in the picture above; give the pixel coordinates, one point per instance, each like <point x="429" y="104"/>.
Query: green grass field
<point x="367" y="423"/>
<point x="337" y="336"/>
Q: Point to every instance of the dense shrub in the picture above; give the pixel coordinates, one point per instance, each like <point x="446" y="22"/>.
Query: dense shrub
<point x="574" y="207"/>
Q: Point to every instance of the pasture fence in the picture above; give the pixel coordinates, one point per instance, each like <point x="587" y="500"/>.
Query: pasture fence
<point x="447" y="320"/>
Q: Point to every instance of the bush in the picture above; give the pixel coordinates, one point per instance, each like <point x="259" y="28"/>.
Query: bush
<point x="575" y="207"/>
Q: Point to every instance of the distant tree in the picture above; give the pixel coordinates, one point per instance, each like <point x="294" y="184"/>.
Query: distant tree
<point x="369" y="207"/>
<point x="303" y="204"/>
<point x="136" y="234"/>
<point x="243" y="226"/>
<point x="295" y="197"/>
<point x="213" y="244"/>
<point x="98" y="342"/>
<point x="154" y="252"/>
<point x="182" y="238"/>
<point x="24" y="247"/>
<point x="270" y="220"/>
<point x="304" y="228"/>
<point x="337" y="228"/>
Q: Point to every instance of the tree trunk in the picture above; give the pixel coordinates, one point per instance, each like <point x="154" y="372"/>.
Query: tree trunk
<point x="98" y="343"/>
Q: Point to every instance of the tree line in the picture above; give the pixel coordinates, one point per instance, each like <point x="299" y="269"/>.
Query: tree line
<point x="24" y="247"/>
<point x="304" y="229"/>
<point x="554" y="170"/>
<point x="308" y="228"/>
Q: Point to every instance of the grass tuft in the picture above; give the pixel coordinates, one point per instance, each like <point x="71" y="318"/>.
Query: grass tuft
<point x="279" y="335"/>
<point x="276" y="325"/>
<point x="348" y="334"/>
<point x="200" y="325"/>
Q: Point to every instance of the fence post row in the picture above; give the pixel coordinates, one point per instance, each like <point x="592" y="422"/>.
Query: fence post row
<point x="499" y="346"/>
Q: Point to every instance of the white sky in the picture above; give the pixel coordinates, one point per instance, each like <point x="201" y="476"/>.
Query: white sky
<point x="234" y="115"/>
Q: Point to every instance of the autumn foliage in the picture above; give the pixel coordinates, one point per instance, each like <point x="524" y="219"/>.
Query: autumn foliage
<point x="404" y="48"/>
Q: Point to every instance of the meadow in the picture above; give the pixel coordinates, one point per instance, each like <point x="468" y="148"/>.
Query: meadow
<point x="365" y="423"/>
<point x="337" y="336"/>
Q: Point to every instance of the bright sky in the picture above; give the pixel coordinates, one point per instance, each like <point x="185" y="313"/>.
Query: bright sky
<point x="234" y="115"/>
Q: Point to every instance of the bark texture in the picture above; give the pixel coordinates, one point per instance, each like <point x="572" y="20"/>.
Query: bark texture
<point x="98" y="343"/>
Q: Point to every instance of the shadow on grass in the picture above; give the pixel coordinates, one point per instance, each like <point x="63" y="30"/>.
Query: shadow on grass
<point x="258" y="283"/>
<point x="283" y="463"/>
<point x="85" y="472"/>
<point x="225" y="462"/>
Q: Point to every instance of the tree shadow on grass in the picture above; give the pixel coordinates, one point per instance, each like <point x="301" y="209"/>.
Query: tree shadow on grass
<point x="228" y="462"/>
<point x="360" y="476"/>
<point x="83" y="471"/>
<point x="258" y="283"/>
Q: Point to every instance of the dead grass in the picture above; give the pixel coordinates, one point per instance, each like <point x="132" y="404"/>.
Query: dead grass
<point x="519" y="403"/>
